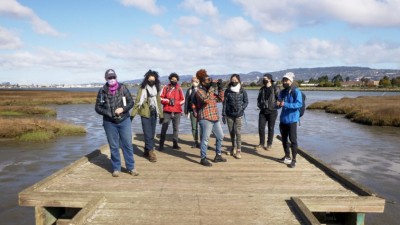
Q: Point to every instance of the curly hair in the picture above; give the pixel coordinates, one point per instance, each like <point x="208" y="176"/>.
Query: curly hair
<point x="201" y="74"/>
<point x="173" y="75"/>
<point x="237" y="77"/>
<point x="151" y="73"/>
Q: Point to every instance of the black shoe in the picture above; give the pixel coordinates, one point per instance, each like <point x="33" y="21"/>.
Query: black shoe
<point x="218" y="158"/>
<point x="205" y="162"/>
<point x="146" y="154"/>
<point x="161" y="146"/>
<point x="176" y="146"/>
<point x="293" y="163"/>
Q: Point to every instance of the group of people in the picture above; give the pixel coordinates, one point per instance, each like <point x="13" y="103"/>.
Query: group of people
<point x="153" y="103"/>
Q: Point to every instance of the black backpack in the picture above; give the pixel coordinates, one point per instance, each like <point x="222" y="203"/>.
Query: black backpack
<point x="303" y="107"/>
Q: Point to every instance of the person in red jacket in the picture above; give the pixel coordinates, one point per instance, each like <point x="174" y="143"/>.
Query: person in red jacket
<point x="172" y="98"/>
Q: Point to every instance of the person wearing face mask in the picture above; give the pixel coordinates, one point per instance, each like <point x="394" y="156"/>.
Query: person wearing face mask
<point x="266" y="102"/>
<point x="290" y="115"/>
<point x="148" y="106"/>
<point x="190" y="110"/>
<point x="208" y="117"/>
<point x="234" y="104"/>
<point x="113" y="102"/>
<point x="172" y="98"/>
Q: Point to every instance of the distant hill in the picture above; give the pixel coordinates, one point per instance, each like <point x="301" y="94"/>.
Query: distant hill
<point x="354" y="73"/>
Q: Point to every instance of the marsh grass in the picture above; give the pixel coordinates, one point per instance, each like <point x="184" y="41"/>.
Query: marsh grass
<point x="34" y="129"/>
<point x="26" y="111"/>
<point x="370" y="110"/>
<point x="23" y="116"/>
<point x="35" y="98"/>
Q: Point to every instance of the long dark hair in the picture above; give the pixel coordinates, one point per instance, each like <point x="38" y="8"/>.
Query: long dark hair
<point x="237" y="77"/>
<point x="146" y="77"/>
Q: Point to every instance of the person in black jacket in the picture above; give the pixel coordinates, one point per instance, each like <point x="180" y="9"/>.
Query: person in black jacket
<point x="235" y="102"/>
<point x="190" y="110"/>
<point x="113" y="102"/>
<point x="266" y="102"/>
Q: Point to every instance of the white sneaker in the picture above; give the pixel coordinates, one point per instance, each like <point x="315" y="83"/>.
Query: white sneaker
<point x="287" y="161"/>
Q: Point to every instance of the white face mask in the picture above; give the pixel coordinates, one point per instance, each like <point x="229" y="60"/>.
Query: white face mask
<point x="112" y="82"/>
<point x="195" y="84"/>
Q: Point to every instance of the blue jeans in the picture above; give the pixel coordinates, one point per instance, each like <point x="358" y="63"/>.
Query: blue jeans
<point x="116" y="134"/>
<point x="149" y="130"/>
<point x="206" y="127"/>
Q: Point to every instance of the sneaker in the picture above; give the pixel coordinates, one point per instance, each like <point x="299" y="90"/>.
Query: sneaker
<point x="133" y="172"/>
<point x="268" y="148"/>
<point x="285" y="160"/>
<point x="152" y="156"/>
<point x="218" y="158"/>
<point x="238" y="155"/>
<point x="115" y="173"/>
<point x="293" y="163"/>
<point x="176" y="147"/>
<point x="146" y="154"/>
<point x="205" y="162"/>
<point x="259" y="147"/>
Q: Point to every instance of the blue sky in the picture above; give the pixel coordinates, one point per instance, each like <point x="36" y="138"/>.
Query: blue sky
<point x="76" y="41"/>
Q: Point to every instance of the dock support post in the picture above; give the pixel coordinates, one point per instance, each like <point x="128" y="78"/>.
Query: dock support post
<point x="355" y="219"/>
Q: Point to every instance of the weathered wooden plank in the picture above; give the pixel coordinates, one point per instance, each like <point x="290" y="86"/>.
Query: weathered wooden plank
<point x="362" y="204"/>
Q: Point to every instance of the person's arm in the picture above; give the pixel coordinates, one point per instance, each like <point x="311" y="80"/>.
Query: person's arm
<point x="129" y="100"/>
<point x="224" y="104"/>
<point x="259" y="99"/>
<point x="101" y="104"/>
<point x="136" y="104"/>
<point x="181" y="96"/>
<point x="187" y="97"/>
<point x="245" y="100"/>
<point x="297" y="100"/>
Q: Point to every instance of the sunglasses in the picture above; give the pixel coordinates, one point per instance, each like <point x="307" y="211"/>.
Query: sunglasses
<point x="110" y="78"/>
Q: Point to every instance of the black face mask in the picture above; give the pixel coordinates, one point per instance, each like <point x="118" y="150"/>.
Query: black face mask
<point x="286" y="85"/>
<point x="265" y="82"/>
<point x="207" y="85"/>
<point x="234" y="84"/>
<point x="173" y="83"/>
<point x="151" y="83"/>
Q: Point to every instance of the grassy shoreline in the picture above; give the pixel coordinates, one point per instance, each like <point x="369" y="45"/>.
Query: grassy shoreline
<point x="369" y="110"/>
<point x="24" y="117"/>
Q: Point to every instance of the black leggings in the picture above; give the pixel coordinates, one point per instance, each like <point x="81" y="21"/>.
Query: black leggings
<point x="289" y="130"/>
<point x="262" y="121"/>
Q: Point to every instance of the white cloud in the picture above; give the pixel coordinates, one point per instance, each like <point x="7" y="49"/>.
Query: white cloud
<point x="9" y="40"/>
<point x="237" y="28"/>
<point x="159" y="31"/>
<point x="304" y="53"/>
<point x="14" y="9"/>
<point x="261" y="48"/>
<point x="201" y="7"/>
<point x="149" y="6"/>
<point x="283" y="15"/>
<point x="188" y="21"/>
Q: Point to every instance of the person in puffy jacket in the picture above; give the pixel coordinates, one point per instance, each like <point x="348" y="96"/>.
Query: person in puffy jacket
<point x="234" y="104"/>
<point x="290" y="100"/>
<point x="266" y="102"/>
<point x="172" y="98"/>
<point x="113" y="102"/>
<point x="148" y="106"/>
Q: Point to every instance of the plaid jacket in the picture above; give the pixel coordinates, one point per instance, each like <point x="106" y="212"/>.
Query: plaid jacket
<point x="207" y="103"/>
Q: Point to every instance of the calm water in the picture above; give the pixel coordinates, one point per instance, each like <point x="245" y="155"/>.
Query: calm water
<point x="369" y="155"/>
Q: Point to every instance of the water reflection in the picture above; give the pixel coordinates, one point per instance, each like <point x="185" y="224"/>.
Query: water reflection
<point x="370" y="155"/>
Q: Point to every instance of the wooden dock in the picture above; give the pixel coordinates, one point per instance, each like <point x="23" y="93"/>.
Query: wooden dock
<point x="256" y="189"/>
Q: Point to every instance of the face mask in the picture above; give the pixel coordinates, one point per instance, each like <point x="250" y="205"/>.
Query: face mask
<point x="286" y="85"/>
<point x="112" y="82"/>
<point x="173" y="83"/>
<point x="234" y="84"/>
<point x="195" y="84"/>
<point x="265" y="82"/>
<point x="151" y="83"/>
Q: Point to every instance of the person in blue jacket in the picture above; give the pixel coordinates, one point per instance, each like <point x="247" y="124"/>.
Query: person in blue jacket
<point x="290" y="100"/>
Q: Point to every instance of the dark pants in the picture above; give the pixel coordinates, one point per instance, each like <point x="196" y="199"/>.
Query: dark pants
<point x="176" y="118"/>
<point x="289" y="130"/>
<point x="149" y="130"/>
<point x="263" y="119"/>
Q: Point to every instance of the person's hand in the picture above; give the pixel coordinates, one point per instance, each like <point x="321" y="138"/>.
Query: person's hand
<point x="195" y="114"/>
<point x="161" y="120"/>
<point x="118" y="111"/>
<point x="214" y="84"/>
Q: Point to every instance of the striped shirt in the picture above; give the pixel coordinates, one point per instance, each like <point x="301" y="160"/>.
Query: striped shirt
<point x="207" y="103"/>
